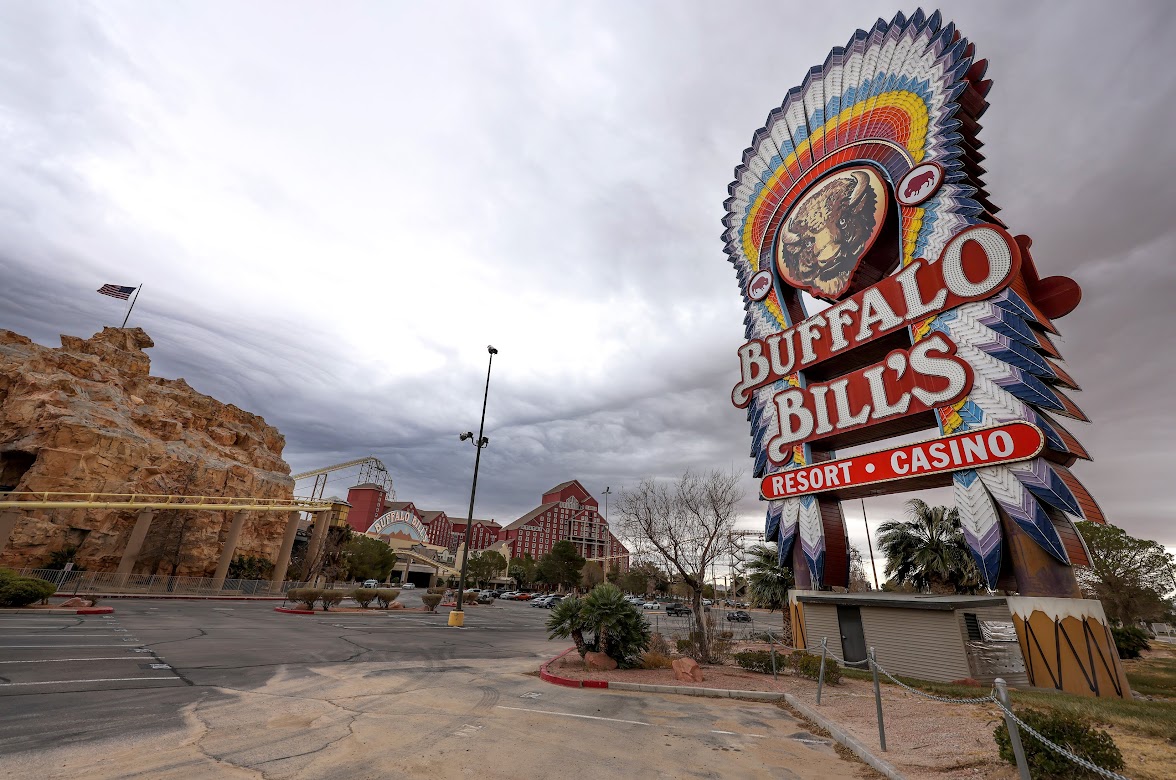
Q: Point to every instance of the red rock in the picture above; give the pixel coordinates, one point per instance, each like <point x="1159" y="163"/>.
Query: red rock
<point x="599" y="661"/>
<point x="75" y="602"/>
<point x="395" y="605"/>
<point x="90" y="418"/>
<point x="687" y="670"/>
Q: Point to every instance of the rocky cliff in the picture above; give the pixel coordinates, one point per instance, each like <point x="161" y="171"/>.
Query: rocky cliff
<point x="89" y="417"/>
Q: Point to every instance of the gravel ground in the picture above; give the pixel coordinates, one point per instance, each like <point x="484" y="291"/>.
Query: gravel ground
<point x="925" y="739"/>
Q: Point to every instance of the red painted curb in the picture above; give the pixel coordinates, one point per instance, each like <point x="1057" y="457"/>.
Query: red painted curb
<point x="295" y="611"/>
<point x="96" y="611"/>
<point x="567" y="682"/>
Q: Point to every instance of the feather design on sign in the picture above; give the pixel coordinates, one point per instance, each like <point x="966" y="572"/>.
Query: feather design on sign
<point x="812" y="535"/>
<point x="980" y="524"/>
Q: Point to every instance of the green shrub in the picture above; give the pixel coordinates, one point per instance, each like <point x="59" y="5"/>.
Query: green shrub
<point x="1068" y="730"/>
<point x="22" y="591"/>
<point x="385" y="596"/>
<point x="684" y="646"/>
<point x="760" y="661"/>
<point x="1130" y="641"/>
<point x="364" y="596"/>
<point x="304" y="596"/>
<point x="809" y="665"/>
<point x="431" y="600"/>
<point x="329" y="598"/>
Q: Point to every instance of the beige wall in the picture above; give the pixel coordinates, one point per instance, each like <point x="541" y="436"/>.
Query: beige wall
<point x="923" y="643"/>
<point x="820" y="620"/>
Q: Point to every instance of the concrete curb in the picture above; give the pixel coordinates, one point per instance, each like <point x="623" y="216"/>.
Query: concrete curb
<point x="169" y="596"/>
<point x="844" y="738"/>
<point x="61" y="611"/>
<point x="567" y="682"/>
<point x="289" y="611"/>
<point x="712" y="693"/>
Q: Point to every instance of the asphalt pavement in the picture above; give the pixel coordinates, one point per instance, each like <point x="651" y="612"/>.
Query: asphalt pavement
<point x="193" y="689"/>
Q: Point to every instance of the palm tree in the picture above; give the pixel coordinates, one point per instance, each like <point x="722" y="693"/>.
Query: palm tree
<point x="567" y="620"/>
<point x="621" y="631"/>
<point x="928" y="551"/>
<point x="768" y="581"/>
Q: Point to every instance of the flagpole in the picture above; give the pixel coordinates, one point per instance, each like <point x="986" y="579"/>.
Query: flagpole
<point x="132" y="306"/>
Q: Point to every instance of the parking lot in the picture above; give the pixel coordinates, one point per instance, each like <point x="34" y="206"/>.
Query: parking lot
<point x="166" y="689"/>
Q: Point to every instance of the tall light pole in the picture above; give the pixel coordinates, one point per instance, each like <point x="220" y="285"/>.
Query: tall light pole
<point x="457" y="615"/>
<point x="604" y="542"/>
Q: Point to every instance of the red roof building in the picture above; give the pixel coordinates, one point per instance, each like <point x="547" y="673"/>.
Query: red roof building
<point x="567" y="512"/>
<point x="440" y="528"/>
<point x="368" y="501"/>
<point x="485" y="534"/>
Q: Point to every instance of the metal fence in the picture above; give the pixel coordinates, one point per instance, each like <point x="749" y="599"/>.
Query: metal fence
<point x="84" y="582"/>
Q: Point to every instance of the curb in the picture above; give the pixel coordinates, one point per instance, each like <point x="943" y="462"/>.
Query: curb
<point x="566" y="681"/>
<point x="60" y="611"/>
<point x="712" y="693"/>
<point x="170" y="596"/>
<point x="844" y="738"/>
<point x="366" y="613"/>
<point x="296" y="611"/>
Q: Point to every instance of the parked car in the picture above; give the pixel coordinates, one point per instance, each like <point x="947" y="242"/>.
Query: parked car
<point x="525" y="596"/>
<point x="371" y="583"/>
<point x="541" y="601"/>
<point x="739" y="616"/>
<point x="637" y="600"/>
<point x="485" y="598"/>
<point x="551" y="602"/>
<point x="677" y="610"/>
<point x="707" y="602"/>
<point x="408" y="586"/>
<point x="651" y="605"/>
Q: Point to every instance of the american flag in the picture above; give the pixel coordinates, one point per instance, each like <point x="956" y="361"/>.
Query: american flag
<point x="116" y="291"/>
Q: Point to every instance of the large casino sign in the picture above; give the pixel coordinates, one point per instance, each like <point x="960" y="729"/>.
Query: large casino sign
<point x="885" y="298"/>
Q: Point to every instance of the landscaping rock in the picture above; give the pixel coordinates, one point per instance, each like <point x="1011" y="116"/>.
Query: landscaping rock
<point x="76" y="602"/>
<point x="599" y="661"/>
<point x="687" y="670"/>
<point x="395" y="605"/>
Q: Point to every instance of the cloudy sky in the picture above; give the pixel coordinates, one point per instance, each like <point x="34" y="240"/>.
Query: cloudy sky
<point x="333" y="208"/>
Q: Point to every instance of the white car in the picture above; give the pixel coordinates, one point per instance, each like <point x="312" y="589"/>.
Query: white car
<point x="408" y="586"/>
<point x="371" y="583"/>
<point x="651" y="605"/>
<point x="508" y="595"/>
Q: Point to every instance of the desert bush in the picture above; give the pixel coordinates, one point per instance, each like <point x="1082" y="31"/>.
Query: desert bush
<point x="655" y="660"/>
<point x="307" y="597"/>
<point x="364" y="596"/>
<point x="761" y="661"/>
<point x="439" y="590"/>
<point x="329" y="598"/>
<point x="469" y="598"/>
<point x="809" y="665"/>
<point x="1069" y="730"/>
<point x="726" y="635"/>
<point x="658" y="644"/>
<point x="432" y="600"/>
<point x="1130" y="641"/>
<point x="21" y="591"/>
<point x="385" y="596"/>
<point x="684" y="646"/>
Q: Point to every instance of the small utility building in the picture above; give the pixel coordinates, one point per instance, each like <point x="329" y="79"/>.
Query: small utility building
<point x="938" y="638"/>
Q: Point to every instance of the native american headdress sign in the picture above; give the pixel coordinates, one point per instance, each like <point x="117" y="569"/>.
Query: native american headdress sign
<point x="863" y="190"/>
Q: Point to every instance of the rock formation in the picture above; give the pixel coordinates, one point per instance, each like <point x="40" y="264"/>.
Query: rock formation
<point x="89" y="417"/>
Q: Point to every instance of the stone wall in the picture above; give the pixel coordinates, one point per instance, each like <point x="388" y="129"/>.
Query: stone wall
<point x="89" y="417"/>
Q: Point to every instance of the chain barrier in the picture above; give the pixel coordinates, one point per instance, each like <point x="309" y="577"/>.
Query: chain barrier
<point x="1079" y="760"/>
<point x="992" y="698"/>
<point x="924" y="694"/>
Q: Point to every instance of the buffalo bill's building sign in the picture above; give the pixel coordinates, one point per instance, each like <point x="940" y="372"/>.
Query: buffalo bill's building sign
<point x="863" y="190"/>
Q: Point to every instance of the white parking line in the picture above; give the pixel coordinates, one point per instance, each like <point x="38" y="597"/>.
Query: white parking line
<point x="50" y="647"/>
<point x="103" y="679"/>
<point x="574" y="715"/>
<point x="737" y="734"/>
<point x="60" y="660"/>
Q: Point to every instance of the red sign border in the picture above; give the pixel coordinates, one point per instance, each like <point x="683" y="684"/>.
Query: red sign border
<point x="1013" y="423"/>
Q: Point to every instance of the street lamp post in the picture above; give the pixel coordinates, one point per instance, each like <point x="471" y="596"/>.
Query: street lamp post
<point x="457" y="615"/>
<point x="604" y="543"/>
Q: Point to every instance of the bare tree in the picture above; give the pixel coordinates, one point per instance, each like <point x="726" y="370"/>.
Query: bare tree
<point x="686" y="524"/>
